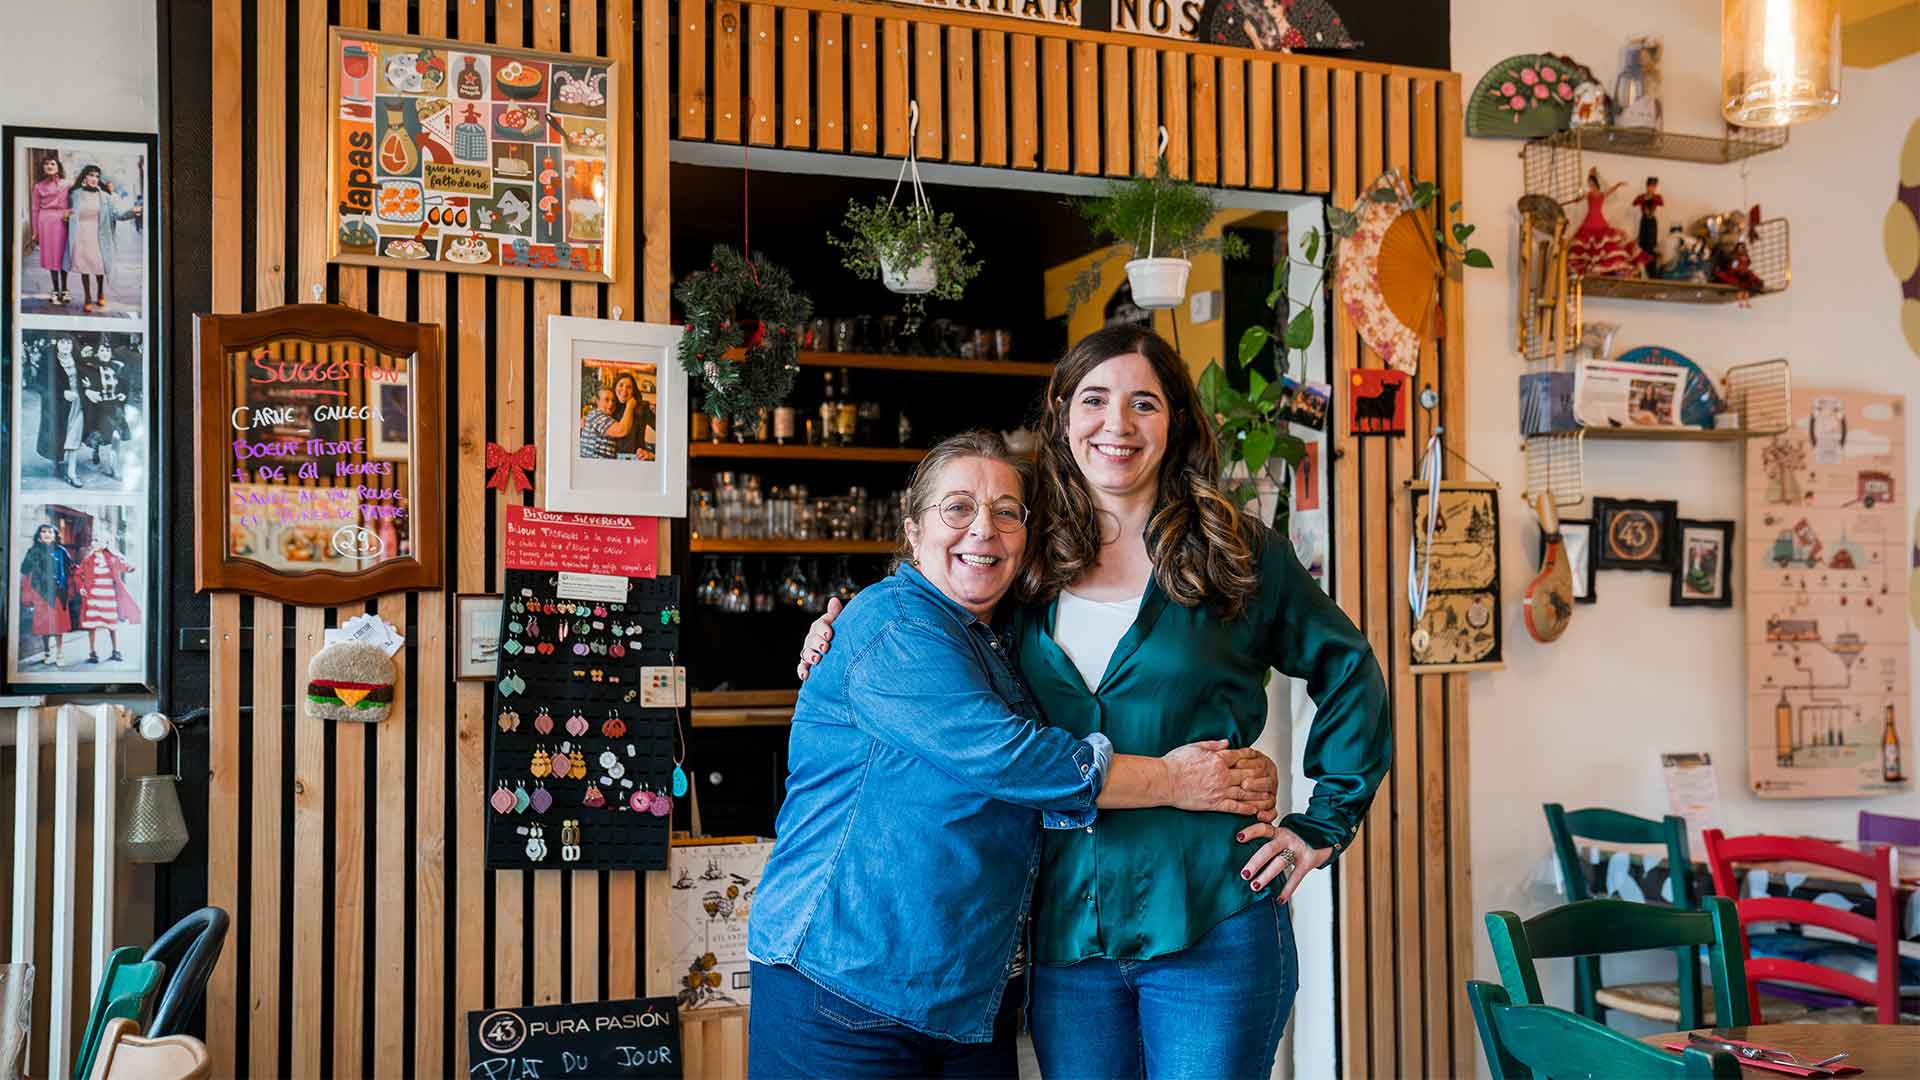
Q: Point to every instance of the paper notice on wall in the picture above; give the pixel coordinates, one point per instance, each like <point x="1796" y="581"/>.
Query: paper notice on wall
<point x="1612" y="394"/>
<point x="1693" y="793"/>
<point x="611" y="544"/>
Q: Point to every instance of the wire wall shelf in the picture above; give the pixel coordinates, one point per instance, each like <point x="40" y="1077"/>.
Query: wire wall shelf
<point x="1736" y="145"/>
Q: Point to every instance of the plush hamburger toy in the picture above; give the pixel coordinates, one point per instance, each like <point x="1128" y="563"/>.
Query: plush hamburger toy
<point x="350" y="680"/>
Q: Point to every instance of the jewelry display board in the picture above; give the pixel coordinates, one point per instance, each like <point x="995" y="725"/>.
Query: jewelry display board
<point x="580" y="774"/>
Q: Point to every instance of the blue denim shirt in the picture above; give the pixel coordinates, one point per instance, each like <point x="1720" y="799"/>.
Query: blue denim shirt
<point x="920" y="773"/>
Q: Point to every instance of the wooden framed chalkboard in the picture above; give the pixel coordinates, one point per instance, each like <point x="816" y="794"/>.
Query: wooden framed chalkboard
<point x="318" y="454"/>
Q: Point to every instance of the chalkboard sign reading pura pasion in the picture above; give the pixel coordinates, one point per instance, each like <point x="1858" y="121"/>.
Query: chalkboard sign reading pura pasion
<point x="586" y="1040"/>
<point x="318" y="454"/>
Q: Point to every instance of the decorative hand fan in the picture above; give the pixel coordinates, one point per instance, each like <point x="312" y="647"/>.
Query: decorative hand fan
<point x="1389" y="272"/>
<point x="1525" y="97"/>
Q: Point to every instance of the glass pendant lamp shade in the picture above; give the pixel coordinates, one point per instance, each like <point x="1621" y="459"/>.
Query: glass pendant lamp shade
<point x="1779" y="61"/>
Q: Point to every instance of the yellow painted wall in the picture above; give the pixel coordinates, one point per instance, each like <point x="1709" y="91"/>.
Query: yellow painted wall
<point x="1200" y="344"/>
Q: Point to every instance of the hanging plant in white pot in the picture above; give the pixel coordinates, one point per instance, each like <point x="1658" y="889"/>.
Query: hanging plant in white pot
<point x="909" y="248"/>
<point x="1160" y="219"/>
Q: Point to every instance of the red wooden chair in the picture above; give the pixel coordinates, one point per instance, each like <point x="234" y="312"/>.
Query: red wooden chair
<point x="1882" y="995"/>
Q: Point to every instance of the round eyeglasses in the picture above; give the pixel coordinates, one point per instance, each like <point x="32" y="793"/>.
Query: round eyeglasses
<point x="959" y="511"/>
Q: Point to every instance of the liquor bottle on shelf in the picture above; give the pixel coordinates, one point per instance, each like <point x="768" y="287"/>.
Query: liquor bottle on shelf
<point x="827" y="410"/>
<point x="783" y="423"/>
<point x="846" y="414"/>
<point x="1890" y="751"/>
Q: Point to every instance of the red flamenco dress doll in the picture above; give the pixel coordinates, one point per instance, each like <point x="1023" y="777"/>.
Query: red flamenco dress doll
<point x="1597" y="248"/>
<point x="100" y="582"/>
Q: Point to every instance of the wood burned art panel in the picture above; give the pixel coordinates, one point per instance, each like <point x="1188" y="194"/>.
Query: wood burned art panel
<point x="1828" y="696"/>
<point x="1460" y="572"/>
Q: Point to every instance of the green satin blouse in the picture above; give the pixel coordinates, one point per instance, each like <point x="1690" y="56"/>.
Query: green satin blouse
<point x="1143" y="883"/>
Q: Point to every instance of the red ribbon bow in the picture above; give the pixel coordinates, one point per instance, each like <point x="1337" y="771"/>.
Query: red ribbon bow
<point x="510" y="469"/>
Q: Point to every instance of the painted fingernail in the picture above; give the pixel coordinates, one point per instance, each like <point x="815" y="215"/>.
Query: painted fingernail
<point x="1240" y="838"/>
<point x="1246" y="873"/>
<point x="1256" y="886"/>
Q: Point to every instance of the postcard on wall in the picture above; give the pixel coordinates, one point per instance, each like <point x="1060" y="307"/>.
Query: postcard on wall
<point x="1826" y="574"/>
<point x="483" y="159"/>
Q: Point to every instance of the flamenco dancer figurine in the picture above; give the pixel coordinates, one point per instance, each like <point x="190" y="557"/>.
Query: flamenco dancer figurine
<point x="1649" y="203"/>
<point x="1598" y="249"/>
<point x="1736" y="269"/>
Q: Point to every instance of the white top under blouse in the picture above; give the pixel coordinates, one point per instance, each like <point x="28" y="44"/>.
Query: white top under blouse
<point x="1089" y="630"/>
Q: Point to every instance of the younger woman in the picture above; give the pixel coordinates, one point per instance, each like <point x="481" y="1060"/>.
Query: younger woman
<point x="91" y="215"/>
<point x="49" y="202"/>
<point x="44" y="574"/>
<point x="632" y="430"/>
<point x="100" y="582"/>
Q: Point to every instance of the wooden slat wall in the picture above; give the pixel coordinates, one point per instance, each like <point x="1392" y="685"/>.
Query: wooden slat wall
<point x="347" y="959"/>
<point x="1093" y="104"/>
<point x="365" y="924"/>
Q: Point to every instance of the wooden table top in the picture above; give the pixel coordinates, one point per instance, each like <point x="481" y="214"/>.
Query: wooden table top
<point x="1877" y="1049"/>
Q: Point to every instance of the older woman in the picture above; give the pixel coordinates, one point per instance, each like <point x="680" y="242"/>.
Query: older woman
<point x="1159" y="608"/>
<point x="893" y="909"/>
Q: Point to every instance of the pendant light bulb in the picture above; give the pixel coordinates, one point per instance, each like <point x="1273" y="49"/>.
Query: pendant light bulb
<point x="1779" y="61"/>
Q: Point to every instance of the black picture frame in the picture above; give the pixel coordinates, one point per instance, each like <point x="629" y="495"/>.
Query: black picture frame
<point x="1621" y="528"/>
<point x="1684" y="590"/>
<point x="150" y="575"/>
<point x="1584" y="575"/>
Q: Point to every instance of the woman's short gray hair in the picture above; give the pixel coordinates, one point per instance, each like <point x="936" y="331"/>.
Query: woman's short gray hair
<point x="978" y="443"/>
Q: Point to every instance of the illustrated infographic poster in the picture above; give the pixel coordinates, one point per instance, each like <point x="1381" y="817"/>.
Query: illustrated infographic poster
<point x="491" y="160"/>
<point x="1827" y="639"/>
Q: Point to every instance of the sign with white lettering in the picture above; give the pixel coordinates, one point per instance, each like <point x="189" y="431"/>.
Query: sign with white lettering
<point x="1269" y="25"/>
<point x="587" y="1039"/>
<point x="318" y="454"/>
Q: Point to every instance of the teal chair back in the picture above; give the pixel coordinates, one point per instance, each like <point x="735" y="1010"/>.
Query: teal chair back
<point x="127" y="990"/>
<point x="1601" y="927"/>
<point x="1540" y="1042"/>
<point x="1615" y="827"/>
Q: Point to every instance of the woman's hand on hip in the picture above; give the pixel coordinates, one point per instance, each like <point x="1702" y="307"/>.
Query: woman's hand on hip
<point x="1272" y="858"/>
<point x="1212" y="776"/>
<point x="819" y="638"/>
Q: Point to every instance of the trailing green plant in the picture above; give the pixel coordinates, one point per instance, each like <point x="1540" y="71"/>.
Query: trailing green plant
<point x="1155" y="215"/>
<point x="900" y="236"/>
<point x="1251" y="425"/>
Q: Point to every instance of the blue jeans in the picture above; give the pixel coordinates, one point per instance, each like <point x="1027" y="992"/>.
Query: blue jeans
<point x="1214" y="1009"/>
<point x="798" y="1028"/>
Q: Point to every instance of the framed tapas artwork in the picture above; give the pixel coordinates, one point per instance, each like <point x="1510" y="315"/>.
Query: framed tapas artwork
<point x="81" y="465"/>
<point x="315" y="483"/>
<point x="1634" y="534"/>
<point x="476" y="158"/>
<point x="616" y="437"/>
<point x="1703" y="574"/>
<point x="477" y="636"/>
<point x="1456" y="564"/>
<point x="1576" y="539"/>
<point x="1377" y="402"/>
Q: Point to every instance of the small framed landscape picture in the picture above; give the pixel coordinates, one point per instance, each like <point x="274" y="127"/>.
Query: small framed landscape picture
<point x="477" y="647"/>
<point x="1634" y="534"/>
<point x="1703" y="576"/>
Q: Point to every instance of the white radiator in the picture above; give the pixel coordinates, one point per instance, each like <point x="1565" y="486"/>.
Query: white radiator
<point x="66" y="732"/>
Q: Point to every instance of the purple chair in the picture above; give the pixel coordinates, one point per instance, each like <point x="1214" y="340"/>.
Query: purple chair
<point x="1889" y="829"/>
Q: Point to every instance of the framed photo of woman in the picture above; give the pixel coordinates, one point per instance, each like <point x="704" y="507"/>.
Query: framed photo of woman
<point x="80" y="463"/>
<point x="616" y="437"/>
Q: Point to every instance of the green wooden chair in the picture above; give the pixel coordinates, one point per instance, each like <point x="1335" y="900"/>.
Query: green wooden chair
<point x="1535" y="1042"/>
<point x="1666" y="1002"/>
<point x="1601" y="927"/>
<point x="127" y="991"/>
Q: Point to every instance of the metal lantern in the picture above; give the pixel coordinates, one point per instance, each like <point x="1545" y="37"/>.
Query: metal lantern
<point x="152" y="827"/>
<point x="1779" y="61"/>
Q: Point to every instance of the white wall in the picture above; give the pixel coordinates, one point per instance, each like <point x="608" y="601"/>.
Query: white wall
<point x="84" y="64"/>
<point x="1582" y="721"/>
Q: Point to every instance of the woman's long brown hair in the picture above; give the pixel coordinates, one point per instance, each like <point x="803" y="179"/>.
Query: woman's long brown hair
<point x="1202" y="546"/>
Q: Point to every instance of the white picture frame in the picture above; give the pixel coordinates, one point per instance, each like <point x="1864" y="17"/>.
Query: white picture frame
<point x="476" y="635"/>
<point x="587" y="464"/>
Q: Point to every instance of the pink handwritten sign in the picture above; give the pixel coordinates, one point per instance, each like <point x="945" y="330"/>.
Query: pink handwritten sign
<point x="581" y="543"/>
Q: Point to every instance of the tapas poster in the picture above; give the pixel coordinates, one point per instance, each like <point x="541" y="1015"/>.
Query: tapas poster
<point x="488" y="160"/>
<point x="1826" y="584"/>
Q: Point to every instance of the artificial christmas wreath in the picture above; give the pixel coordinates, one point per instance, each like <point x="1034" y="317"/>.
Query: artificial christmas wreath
<point x="752" y="307"/>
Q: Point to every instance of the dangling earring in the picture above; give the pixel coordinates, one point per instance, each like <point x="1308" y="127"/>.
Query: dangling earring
<point x="520" y="798"/>
<point x="509" y="720"/>
<point x="543" y="721"/>
<point x="577" y="763"/>
<point x="577" y="724"/>
<point x="542" y="799"/>
<point x="614" y="727"/>
<point x="542" y="764"/>
<point x="593" y="797"/>
<point x="501" y="800"/>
